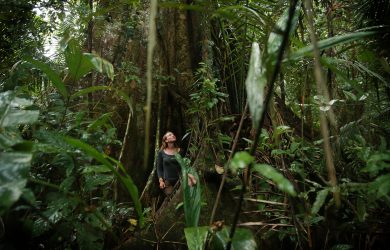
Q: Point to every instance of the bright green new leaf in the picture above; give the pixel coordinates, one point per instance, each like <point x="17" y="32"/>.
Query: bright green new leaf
<point x="14" y="168"/>
<point x="240" y="160"/>
<point x="280" y="130"/>
<point x="242" y="240"/>
<point x="271" y="173"/>
<point x="53" y="76"/>
<point x="255" y="83"/>
<point x="196" y="237"/>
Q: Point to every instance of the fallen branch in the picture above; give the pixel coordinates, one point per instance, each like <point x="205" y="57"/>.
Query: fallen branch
<point x="259" y="223"/>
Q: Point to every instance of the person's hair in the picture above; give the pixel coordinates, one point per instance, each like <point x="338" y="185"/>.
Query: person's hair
<point x="164" y="145"/>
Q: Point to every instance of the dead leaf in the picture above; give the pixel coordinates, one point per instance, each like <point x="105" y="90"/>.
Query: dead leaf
<point x="219" y="169"/>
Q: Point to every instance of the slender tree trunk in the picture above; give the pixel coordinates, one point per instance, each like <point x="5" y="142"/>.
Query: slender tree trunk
<point x="89" y="49"/>
<point x="330" y="52"/>
<point x="282" y="88"/>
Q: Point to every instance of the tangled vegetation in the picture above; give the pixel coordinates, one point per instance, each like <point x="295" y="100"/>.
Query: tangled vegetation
<point x="283" y="107"/>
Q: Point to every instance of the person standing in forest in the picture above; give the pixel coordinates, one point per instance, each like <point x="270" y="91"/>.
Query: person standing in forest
<point x="168" y="169"/>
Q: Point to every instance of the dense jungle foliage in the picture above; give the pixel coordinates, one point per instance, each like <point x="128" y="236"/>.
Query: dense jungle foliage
<point x="282" y="107"/>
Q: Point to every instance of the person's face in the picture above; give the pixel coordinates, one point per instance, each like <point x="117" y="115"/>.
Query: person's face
<point x="170" y="137"/>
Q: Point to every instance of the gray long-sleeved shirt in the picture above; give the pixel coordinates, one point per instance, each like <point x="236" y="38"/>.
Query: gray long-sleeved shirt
<point x="167" y="166"/>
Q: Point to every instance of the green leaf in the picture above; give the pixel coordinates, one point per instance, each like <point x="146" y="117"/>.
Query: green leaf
<point x="126" y="98"/>
<point x="92" y="182"/>
<point x="77" y="64"/>
<point x="255" y="83"/>
<point x="8" y="138"/>
<point x="80" y="64"/>
<point x="59" y="206"/>
<point x="64" y="160"/>
<point x="320" y="200"/>
<point x="240" y="160"/>
<point x="294" y="146"/>
<point x="28" y="195"/>
<point x="342" y="247"/>
<point x="196" y="237"/>
<point x="278" y="152"/>
<point x="361" y="209"/>
<point x="335" y="63"/>
<point x="14" y="168"/>
<point x="362" y="68"/>
<point x="331" y="42"/>
<point x="17" y="117"/>
<point x="67" y="183"/>
<point x="95" y="169"/>
<point x="51" y="75"/>
<point x="271" y="173"/>
<point x="377" y="162"/>
<point x="242" y="240"/>
<point x="100" y="65"/>
<point x="120" y="93"/>
<point x="192" y="195"/>
<point x="275" y="38"/>
<point x="89" y="237"/>
<point x="99" y="122"/>
<point x="12" y="111"/>
<point x="381" y="186"/>
<point x="89" y="90"/>
<point x="124" y="178"/>
<point x="40" y="226"/>
<point x="280" y="130"/>
<point x="350" y="95"/>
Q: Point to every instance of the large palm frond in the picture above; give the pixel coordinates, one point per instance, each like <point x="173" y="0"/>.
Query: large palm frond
<point x="236" y="25"/>
<point x="369" y="13"/>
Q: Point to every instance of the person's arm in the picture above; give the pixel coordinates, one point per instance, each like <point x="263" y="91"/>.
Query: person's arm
<point x="160" y="170"/>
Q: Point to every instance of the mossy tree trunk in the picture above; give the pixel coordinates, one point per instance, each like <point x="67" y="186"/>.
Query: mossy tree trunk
<point x="175" y="59"/>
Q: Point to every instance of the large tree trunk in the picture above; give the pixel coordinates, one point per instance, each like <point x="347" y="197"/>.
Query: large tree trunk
<point x="177" y="53"/>
<point x="125" y="44"/>
<point x="175" y="63"/>
<point x="175" y="59"/>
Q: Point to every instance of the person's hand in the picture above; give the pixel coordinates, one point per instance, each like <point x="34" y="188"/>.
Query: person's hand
<point x="162" y="183"/>
<point x="191" y="180"/>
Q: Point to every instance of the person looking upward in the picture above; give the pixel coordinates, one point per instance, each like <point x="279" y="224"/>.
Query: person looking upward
<point x="168" y="169"/>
